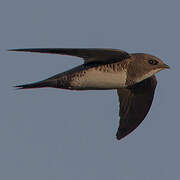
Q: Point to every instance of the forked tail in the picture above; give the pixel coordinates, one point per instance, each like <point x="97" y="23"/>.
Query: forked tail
<point x="40" y="84"/>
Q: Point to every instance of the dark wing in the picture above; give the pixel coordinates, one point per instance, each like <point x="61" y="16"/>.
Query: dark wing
<point x="135" y="103"/>
<point x="89" y="55"/>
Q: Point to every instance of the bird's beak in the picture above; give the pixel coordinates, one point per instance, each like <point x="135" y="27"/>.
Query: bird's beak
<point x="165" y="66"/>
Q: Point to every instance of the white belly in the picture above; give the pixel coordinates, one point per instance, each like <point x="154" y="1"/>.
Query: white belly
<point x="94" y="79"/>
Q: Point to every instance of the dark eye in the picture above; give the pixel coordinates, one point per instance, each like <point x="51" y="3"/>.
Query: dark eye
<point x="152" y="62"/>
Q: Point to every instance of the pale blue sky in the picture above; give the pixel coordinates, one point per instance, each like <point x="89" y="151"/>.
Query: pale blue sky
<point x="51" y="134"/>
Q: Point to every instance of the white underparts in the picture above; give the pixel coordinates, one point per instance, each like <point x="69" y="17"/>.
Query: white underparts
<point x="94" y="79"/>
<point x="147" y="75"/>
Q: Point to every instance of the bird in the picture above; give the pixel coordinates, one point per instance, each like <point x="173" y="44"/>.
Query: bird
<point x="131" y="74"/>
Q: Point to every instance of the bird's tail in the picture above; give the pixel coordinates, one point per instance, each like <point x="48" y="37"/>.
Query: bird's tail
<point x="40" y="84"/>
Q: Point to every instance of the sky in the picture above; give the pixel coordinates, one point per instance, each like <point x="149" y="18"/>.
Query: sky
<point x="58" y="134"/>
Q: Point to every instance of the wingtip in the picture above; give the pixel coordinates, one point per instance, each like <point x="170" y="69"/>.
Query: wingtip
<point x="119" y="138"/>
<point x="35" y="50"/>
<point x="17" y="87"/>
<point x="9" y="50"/>
<point x="16" y="49"/>
<point x="122" y="133"/>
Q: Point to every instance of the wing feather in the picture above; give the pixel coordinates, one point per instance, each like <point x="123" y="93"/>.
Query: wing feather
<point x="135" y="103"/>
<point x="89" y="55"/>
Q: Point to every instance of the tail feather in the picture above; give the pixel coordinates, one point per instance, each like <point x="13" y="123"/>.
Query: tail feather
<point x="39" y="84"/>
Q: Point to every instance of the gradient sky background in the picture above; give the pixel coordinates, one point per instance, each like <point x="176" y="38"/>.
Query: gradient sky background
<point x="51" y="134"/>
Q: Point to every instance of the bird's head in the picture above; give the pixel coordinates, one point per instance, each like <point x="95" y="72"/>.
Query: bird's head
<point x="144" y="66"/>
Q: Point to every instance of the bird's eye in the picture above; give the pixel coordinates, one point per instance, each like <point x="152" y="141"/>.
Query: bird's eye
<point x="153" y="62"/>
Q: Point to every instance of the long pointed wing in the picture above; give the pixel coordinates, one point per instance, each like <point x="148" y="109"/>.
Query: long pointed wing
<point x="135" y="103"/>
<point x="89" y="55"/>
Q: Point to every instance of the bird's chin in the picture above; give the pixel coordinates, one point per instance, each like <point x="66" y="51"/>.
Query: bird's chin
<point x="149" y="74"/>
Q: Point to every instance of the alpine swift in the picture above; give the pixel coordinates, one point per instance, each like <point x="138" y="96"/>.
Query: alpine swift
<point x="132" y="75"/>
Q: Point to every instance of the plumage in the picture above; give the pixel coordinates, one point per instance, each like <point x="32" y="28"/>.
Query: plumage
<point x="135" y="102"/>
<point x="89" y="55"/>
<point x="133" y="75"/>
